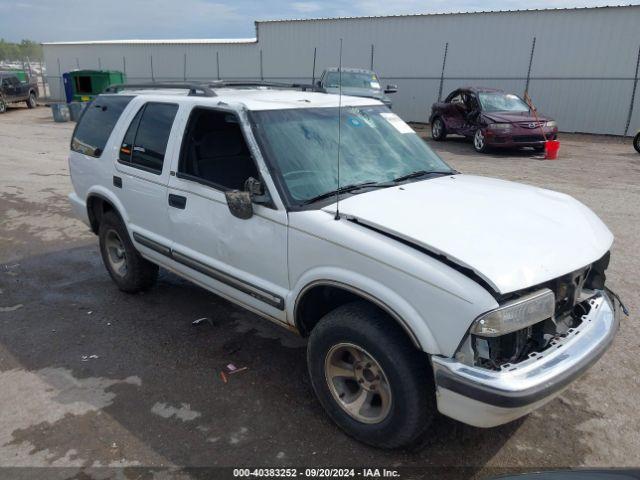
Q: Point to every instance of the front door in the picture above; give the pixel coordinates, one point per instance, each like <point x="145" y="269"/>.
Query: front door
<point x="242" y="259"/>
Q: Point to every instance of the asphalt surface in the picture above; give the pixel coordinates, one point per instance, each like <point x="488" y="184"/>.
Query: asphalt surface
<point x="92" y="377"/>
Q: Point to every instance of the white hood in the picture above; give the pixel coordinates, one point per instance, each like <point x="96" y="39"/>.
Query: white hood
<point x="512" y="235"/>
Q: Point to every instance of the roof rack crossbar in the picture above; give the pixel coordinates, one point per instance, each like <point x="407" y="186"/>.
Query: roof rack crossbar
<point x="194" y="88"/>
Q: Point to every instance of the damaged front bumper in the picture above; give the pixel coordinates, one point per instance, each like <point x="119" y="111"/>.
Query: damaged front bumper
<point x="486" y="398"/>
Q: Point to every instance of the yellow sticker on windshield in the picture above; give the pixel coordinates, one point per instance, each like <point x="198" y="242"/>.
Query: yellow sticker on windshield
<point x="396" y="122"/>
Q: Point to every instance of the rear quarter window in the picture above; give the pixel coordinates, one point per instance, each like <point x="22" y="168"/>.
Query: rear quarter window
<point x="96" y="124"/>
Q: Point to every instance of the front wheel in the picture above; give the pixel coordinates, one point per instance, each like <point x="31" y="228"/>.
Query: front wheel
<point x="636" y="142"/>
<point x="3" y="106"/>
<point x="371" y="380"/>
<point x="438" y="130"/>
<point x="479" y="141"/>
<point x="32" y="101"/>
<point x="128" y="269"/>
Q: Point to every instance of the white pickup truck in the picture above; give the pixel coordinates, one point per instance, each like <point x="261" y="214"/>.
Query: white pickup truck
<point x="421" y="289"/>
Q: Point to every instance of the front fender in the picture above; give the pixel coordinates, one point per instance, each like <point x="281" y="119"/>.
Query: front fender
<point x="383" y="296"/>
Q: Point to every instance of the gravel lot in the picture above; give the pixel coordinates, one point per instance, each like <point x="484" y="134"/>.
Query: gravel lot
<point x="92" y="377"/>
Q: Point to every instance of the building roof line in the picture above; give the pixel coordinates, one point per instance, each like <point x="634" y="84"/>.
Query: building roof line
<point x="177" y="41"/>
<point x="434" y="14"/>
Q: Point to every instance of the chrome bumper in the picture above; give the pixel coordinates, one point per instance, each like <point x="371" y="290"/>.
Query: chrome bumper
<point x="486" y="398"/>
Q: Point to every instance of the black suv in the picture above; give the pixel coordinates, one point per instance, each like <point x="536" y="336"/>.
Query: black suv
<point x="12" y="90"/>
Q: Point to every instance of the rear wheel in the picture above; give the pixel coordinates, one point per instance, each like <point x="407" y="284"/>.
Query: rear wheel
<point x="32" y="101"/>
<point x="130" y="272"/>
<point x="3" y="106"/>
<point x="479" y="141"/>
<point x="636" y="142"/>
<point x="438" y="129"/>
<point x="369" y="377"/>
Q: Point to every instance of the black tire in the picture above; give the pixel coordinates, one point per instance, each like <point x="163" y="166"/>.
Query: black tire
<point x="438" y="130"/>
<point x="32" y="101"/>
<point x="139" y="274"/>
<point x="479" y="144"/>
<point x="636" y="142"/>
<point x="407" y="371"/>
<point x="3" y="106"/>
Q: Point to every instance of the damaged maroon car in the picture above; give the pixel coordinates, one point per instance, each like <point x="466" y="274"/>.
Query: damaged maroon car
<point x="492" y="118"/>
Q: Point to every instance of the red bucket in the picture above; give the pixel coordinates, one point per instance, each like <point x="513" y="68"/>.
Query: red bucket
<point x="551" y="148"/>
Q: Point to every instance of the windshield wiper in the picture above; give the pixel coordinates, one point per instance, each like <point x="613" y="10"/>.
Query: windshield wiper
<point x="343" y="189"/>
<point x="420" y="173"/>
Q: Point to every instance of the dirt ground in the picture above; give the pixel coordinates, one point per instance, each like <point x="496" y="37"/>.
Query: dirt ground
<point x="92" y="377"/>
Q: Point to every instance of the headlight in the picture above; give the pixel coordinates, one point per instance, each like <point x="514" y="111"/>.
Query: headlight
<point x="516" y="314"/>
<point x="551" y="124"/>
<point x="500" y="127"/>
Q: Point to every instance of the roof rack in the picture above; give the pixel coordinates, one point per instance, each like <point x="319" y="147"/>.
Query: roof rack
<point x="259" y="83"/>
<point x="193" y="88"/>
<point x="206" y="89"/>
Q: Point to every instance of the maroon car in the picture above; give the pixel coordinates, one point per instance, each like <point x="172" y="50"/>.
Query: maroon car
<point x="492" y="118"/>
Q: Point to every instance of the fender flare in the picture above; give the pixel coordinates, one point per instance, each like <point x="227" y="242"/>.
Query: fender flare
<point x="108" y="196"/>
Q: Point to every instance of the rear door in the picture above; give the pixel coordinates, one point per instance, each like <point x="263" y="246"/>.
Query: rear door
<point x="142" y="170"/>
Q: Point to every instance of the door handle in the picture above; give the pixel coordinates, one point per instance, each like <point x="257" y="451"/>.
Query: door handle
<point x="177" y="201"/>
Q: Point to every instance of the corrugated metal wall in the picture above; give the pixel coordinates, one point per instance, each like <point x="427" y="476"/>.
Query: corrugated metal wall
<point x="582" y="71"/>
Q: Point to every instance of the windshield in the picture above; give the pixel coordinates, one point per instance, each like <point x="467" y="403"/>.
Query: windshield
<point x="375" y="146"/>
<point x="352" y="80"/>
<point x="502" y="102"/>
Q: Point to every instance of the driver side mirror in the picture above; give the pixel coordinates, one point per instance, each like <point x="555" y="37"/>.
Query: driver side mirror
<point x="391" y="89"/>
<point x="239" y="203"/>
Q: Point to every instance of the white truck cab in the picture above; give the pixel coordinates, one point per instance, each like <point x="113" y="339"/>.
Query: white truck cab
<point x="420" y="288"/>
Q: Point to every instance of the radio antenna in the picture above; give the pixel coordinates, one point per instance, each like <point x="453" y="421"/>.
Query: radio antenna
<point x="337" y="217"/>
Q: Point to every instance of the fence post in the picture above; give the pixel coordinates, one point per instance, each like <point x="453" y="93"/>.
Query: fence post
<point x="533" y="49"/>
<point x="124" y="65"/>
<point x="633" y="95"/>
<point x="371" y="68"/>
<point x="44" y="88"/>
<point x="60" y="84"/>
<point x="184" y="68"/>
<point x="78" y="63"/>
<point x="218" y="63"/>
<point x="444" y="62"/>
<point x="313" y="72"/>
<point x="151" y="63"/>
<point x="261" y="72"/>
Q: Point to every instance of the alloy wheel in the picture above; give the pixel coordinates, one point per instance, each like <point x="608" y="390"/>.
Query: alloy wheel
<point x="357" y="383"/>
<point x="116" y="253"/>
<point x="478" y="140"/>
<point x="436" y="128"/>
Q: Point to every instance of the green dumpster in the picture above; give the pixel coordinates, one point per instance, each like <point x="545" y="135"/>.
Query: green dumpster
<point x="86" y="84"/>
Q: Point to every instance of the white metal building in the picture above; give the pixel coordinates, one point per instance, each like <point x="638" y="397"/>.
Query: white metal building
<point x="582" y="70"/>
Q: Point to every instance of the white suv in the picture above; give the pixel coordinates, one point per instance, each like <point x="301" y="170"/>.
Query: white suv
<point x="420" y="288"/>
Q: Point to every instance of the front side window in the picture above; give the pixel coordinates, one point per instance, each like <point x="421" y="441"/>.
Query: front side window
<point x="352" y="80"/>
<point x="215" y="152"/>
<point x="96" y="124"/>
<point x="502" y="102"/>
<point x="375" y="146"/>
<point x="145" y="143"/>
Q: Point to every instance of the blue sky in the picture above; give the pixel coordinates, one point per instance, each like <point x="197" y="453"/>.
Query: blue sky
<point x="63" y="20"/>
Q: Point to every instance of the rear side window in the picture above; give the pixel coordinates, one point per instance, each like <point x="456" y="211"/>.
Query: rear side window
<point x="145" y="143"/>
<point x="97" y="122"/>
